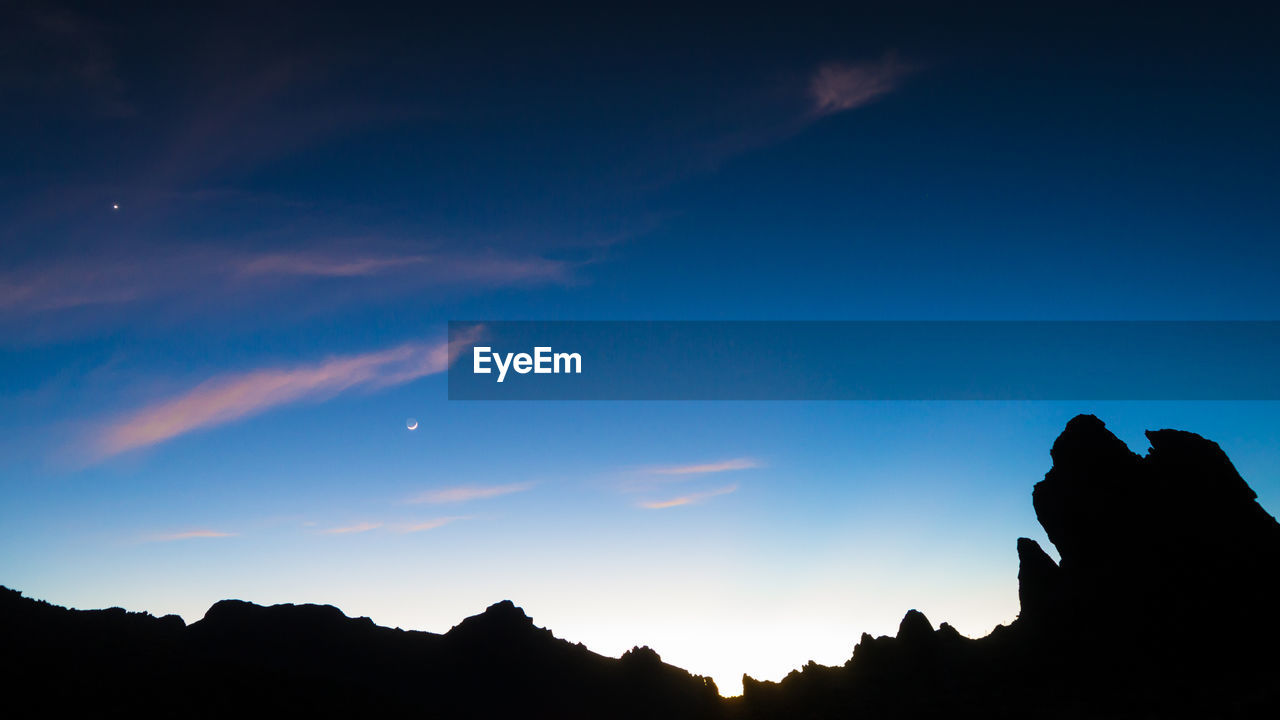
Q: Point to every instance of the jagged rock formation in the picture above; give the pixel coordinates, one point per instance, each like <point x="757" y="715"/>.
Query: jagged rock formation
<point x="1159" y="608"/>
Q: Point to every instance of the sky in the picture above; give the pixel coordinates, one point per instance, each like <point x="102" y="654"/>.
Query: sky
<point x="231" y="240"/>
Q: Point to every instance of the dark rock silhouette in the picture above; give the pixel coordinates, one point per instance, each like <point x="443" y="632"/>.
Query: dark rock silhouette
<point x="1039" y="583"/>
<point x="311" y="660"/>
<point x="1160" y="607"/>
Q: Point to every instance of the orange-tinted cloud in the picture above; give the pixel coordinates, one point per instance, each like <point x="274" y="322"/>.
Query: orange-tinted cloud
<point x="225" y="398"/>
<point x="463" y="493"/>
<point x="689" y="499"/>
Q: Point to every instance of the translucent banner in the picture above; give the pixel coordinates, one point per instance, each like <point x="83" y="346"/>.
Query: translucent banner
<point x="624" y="360"/>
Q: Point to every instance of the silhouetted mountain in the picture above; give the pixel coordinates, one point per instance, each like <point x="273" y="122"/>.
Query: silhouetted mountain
<point x="295" y="660"/>
<point x="1160" y="607"/>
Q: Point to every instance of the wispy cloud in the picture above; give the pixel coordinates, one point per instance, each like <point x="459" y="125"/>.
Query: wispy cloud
<point x="704" y="468"/>
<point x="491" y="269"/>
<point x="649" y="479"/>
<point x="768" y="116"/>
<point x="427" y="525"/>
<point x="352" y="529"/>
<point x="464" y="493"/>
<point x="30" y="290"/>
<point x="225" y="398"/>
<point x="203" y="275"/>
<point x="837" y="87"/>
<point x="189" y="535"/>
<point x="439" y="268"/>
<point x="324" y="265"/>
<point x="690" y="499"/>
<point x="401" y="528"/>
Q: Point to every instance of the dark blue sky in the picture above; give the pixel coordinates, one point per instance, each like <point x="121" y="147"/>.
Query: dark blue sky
<point x="230" y="240"/>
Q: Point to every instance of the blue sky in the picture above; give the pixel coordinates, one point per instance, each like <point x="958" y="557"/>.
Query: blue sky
<point x="231" y="243"/>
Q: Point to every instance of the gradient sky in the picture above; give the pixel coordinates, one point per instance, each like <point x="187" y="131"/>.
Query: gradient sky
<point x="231" y="240"/>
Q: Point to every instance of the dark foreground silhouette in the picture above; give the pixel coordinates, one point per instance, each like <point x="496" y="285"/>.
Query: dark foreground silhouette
<point x="1162" y="606"/>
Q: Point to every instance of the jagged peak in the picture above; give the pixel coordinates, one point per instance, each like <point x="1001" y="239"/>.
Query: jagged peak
<point x="915" y="627"/>
<point x="1085" y="442"/>
<point x="642" y="654"/>
<point x="1038" y="580"/>
<point x="948" y="633"/>
<point x="1032" y="559"/>
<point x="500" y="616"/>
<point x="507" y="610"/>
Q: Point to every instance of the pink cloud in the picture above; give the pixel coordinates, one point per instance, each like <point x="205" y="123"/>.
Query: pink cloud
<point x="225" y="398"/>
<point x="323" y="265"/>
<point x="74" y="284"/>
<point x="713" y="467"/>
<point x="202" y="275"/>
<point x="444" y="268"/>
<point x="689" y="499"/>
<point x="427" y="525"/>
<point x="464" y="493"/>
<point x="402" y="528"/>
<point x="837" y="87"/>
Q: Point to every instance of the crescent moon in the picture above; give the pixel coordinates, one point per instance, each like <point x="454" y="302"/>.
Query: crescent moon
<point x="413" y="425"/>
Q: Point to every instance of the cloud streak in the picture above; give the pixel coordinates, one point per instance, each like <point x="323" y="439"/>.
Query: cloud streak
<point x="189" y="535"/>
<point x="399" y="528"/>
<point x="690" y="499"/>
<point x="837" y="87"/>
<point x="234" y="396"/>
<point x="465" y="493"/>
<point x="769" y="117"/>
<point x="205" y="274"/>
<point x="426" y="525"/>
<point x="704" y="468"/>
<point x="353" y="529"/>
<point x="32" y="290"/>
<point x="650" y="479"/>
<point x="440" y="268"/>
<point x="324" y="265"/>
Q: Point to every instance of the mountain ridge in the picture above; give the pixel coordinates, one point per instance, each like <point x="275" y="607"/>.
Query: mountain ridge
<point x="1151" y="547"/>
